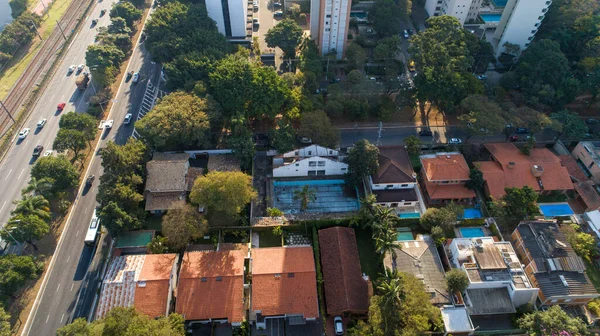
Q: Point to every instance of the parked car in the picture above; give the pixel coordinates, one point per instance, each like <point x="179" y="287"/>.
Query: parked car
<point x="102" y="12"/>
<point x="425" y="132"/>
<point x="338" y="325"/>
<point x="334" y="80"/>
<point x="23" y="134"/>
<point x="276" y="4"/>
<point x="136" y="77"/>
<point x="305" y="140"/>
<point x="48" y="152"/>
<point x="513" y="138"/>
<point x="591" y="121"/>
<point x="94" y="22"/>
<point x="521" y="130"/>
<point x="37" y="151"/>
<point x="411" y="66"/>
<point x="41" y="123"/>
<point x="108" y="124"/>
<point x="410" y="31"/>
<point x="127" y="120"/>
<point x="255" y="22"/>
<point x="60" y="106"/>
<point x="405" y="34"/>
<point x="482" y="77"/>
<point x="255" y="5"/>
<point x="278" y="14"/>
<point x="455" y="141"/>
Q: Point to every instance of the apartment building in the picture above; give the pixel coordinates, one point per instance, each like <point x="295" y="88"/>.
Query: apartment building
<point x="329" y="23"/>
<point x="230" y="16"/>
<point x="587" y="155"/>
<point x="463" y="10"/>
<point x="519" y="23"/>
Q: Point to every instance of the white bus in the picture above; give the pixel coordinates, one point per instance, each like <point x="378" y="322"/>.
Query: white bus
<point x="92" y="232"/>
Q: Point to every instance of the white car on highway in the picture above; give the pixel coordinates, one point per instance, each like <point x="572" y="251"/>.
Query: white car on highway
<point x="127" y="120"/>
<point x="23" y="134"/>
<point x="80" y="67"/>
<point x="136" y="77"/>
<point x="455" y="141"/>
<point x="41" y="123"/>
<point x="108" y="123"/>
<point x="71" y="69"/>
<point x="48" y="152"/>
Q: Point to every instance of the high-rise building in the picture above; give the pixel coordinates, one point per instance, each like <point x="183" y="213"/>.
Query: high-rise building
<point x="460" y="9"/>
<point x="329" y="23"/>
<point x="230" y="16"/>
<point x="519" y="23"/>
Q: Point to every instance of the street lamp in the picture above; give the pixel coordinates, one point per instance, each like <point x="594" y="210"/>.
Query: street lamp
<point x="10" y="235"/>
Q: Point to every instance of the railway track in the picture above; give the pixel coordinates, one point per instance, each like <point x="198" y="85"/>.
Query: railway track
<point x="41" y="63"/>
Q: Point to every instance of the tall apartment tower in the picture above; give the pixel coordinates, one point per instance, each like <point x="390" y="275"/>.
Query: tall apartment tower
<point x="329" y="23"/>
<point x="230" y="16"/>
<point x="519" y="23"/>
<point x="460" y="9"/>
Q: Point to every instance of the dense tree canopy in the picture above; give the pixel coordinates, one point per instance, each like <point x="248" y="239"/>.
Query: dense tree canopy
<point x="5" y="327"/>
<point x="521" y="203"/>
<point x="481" y="116"/>
<point x="59" y="169"/>
<point x="70" y="139"/>
<point x="182" y="225"/>
<point x="363" y="161"/>
<point x="570" y="124"/>
<point x="178" y="121"/>
<point x="387" y="16"/>
<point x="553" y="321"/>
<point x="317" y="127"/>
<point x="104" y="55"/>
<point x="442" y="217"/>
<point x="285" y="35"/>
<point x="457" y="280"/>
<point x="127" y="11"/>
<point x="15" y="271"/>
<point x="25" y="229"/>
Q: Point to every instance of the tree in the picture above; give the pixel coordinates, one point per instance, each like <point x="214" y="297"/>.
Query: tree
<point x="457" y="280"/>
<point x="535" y="120"/>
<point x="182" y="225"/>
<point x="554" y="321"/>
<point x="481" y="116"/>
<point x="158" y="245"/>
<point x="69" y="139"/>
<point x="41" y="186"/>
<point x="387" y="48"/>
<point x="223" y="193"/>
<point x="58" y="169"/>
<point x="126" y="321"/>
<point x="438" y="235"/>
<point x="82" y="122"/>
<point x="284" y="137"/>
<point x="285" y="35"/>
<point x="123" y="163"/>
<point x="116" y="220"/>
<point x="118" y="26"/>
<point x="356" y="56"/>
<point x="387" y="16"/>
<point x="476" y="180"/>
<point x="413" y="145"/>
<point x="178" y="121"/>
<point x="317" y="127"/>
<point x="240" y="142"/>
<point x="583" y="243"/>
<point x="25" y="229"/>
<point x="442" y="217"/>
<point x="17" y="7"/>
<point x="570" y="123"/>
<point x="15" y="271"/>
<point x="521" y="203"/>
<point x="305" y="196"/>
<point x="363" y="160"/>
<point x="104" y="55"/>
<point x="33" y="205"/>
<point x="127" y="11"/>
<point x="5" y="327"/>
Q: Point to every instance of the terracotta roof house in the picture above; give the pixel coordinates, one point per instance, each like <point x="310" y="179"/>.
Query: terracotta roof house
<point x="284" y="285"/>
<point x="421" y="259"/>
<point x="509" y="168"/>
<point x="552" y="265"/>
<point x="444" y="176"/>
<point x="211" y="287"/>
<point x="584" y="186"/>
<point x="346" y="291"/>
<point x="169" y="180"/>
<point x="395" y="182"/>
<point x="144" y="281"/>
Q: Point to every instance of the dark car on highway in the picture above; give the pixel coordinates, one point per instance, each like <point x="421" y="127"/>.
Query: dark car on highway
<point x="522" y="130"/>
<point x="425" y="132"/>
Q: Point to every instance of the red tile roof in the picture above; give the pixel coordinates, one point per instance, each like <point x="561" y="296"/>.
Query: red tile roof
<point x="345" y="289"/>
<point x="447" y="191"/>
<point x="572" y="167"/>
<point x="284" y="281"/>
<point x="445" y="167"/>
<point x="211" y="299"/>
<point x="512" y="169"/>
<point x="394" y="166"/>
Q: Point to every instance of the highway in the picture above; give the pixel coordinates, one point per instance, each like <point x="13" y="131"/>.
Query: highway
<point x="66" y="280"/>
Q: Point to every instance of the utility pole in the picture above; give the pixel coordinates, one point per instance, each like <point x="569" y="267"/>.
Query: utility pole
<point x="61" y="30"/>
<point x="5" y="109"/>
<point x="36" y="30"/>
<point x="379" y="134"/>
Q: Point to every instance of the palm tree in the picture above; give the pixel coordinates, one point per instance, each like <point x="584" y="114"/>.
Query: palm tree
<point x="33" y="205"/>
<point x="38" y="187"/>
<point x="385" y="237"/>
<point x="392" y="294"/>
<point x="305" y="195"/>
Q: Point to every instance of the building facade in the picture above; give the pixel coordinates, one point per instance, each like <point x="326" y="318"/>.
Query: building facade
<point x="313" y="160"/>
<point x="460" y="9"/>
<point x="329" y="23"/>
<point x="230" y="16"/>
<point x="445" y="176"/>
<point x="519" y="23"/>
<point x="587" y="155"/>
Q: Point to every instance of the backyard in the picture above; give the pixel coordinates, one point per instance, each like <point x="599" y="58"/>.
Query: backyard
<point x="371" y="262"/>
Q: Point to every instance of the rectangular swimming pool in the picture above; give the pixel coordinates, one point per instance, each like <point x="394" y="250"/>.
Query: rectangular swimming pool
<point x="409" y="215"/>
<point x="491" y="17"/>
<point x="499" y="3"/>
<point x="471" y="213"/>
<point x="404" y="235"/>
<point x="329" y="196"/>
<point x="555" y="209"/>
<point x="471" y="232"/>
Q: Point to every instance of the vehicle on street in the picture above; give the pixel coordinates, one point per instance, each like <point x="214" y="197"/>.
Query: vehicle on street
<point x="127" y="120"/>
<point x="482" y="77"/>
<point x="108" y="123"/>
<point x="370" y="31"/>
<point x="411" y="66"/>
<point x="71" y="69"/>
<point x="455" y="141"/>
<point x="129" y="75"/>
<point x="405" y="34"/>
<point x="61" y="106"/>
<point x="80" y="68"/>
<point x="513" y="138"/>
<point x="41" y="123"/>
<point x="305" y="140"/>
<point x="48" y="152"/>
<point x="591" y="121"/>
<point x="334" y="80"/>
<point x="82" y="81"/>
<point x="425" y="132"/>
<point x="136" y="77"/>
<point x="94" y="22"/>
<point x="521" y="130"/>
<point x="255" y="5"/>
<point x="276" y="4"/>
<point x="90" y="180"/>
<point x="338" y="325"/>
<point x="37" y="151"/>
<point x="102" y="12"/>
<point x="410" y="31"/>
<point x="278" y="14"/>
<point x="92" y="233"/>
<point x="23" y="134"/>
<point x="255" y="22"/>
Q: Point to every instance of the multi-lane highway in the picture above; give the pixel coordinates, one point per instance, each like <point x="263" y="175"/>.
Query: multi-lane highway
<point x="66" y="279"/>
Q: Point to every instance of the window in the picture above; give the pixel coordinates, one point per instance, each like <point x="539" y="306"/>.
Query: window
<point x="309" y="152"/>
<point x="327" y="29"/>
<point x="540" y="17"/>
<point x="291" y="275"/>
<point x="203" y="279"/>
<point x="312" y="173"/>
<point x="389" y="186"/>
<point x="296" y="153"/>
<point x="312" y="163"/>
<point x="591" y="165"/>
<point x="328" y="16"/>
<point x="326" y="22"/>
<point x="394" y="205"/>
<point x="320" y="173"/>
<point x="330" y="152"/>
<point x="404" y="185"/>
<point x="321" y="163"/>
<point x="343" y="169"/>
<point x="553" y="301"/>
<point x="219" y="278"/>
<point x="297" y="165"/>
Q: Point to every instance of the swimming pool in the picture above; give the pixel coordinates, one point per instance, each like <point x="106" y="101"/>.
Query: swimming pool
<point x="329" y="196"/>
<point x="406" y="235"/>
<point x="555" y="209"/>
<point x="471" y="213"/>
<point x="409" y="215"/>
<point x="471" y="232"/>
<point x="499" y="3"/>
<point x="491" y="17"/>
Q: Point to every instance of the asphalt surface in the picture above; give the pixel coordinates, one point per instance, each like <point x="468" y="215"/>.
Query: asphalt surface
<point x="57" y="304"/>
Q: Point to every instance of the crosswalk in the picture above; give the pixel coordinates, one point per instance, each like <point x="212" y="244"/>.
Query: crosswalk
<point x="150" y="95"/>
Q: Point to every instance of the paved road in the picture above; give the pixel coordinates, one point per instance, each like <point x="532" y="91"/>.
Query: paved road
<point x="66" y="278"/>
<point x="267" y="21"/>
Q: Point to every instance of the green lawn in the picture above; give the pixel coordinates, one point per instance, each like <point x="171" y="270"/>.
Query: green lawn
<point x="371" y="262"/>
<point x="153" y="222"/>
<point x="268" y="239"/>
<point x="593" y="273"/>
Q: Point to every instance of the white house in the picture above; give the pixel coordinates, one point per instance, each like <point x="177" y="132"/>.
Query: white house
<point x="395" y="183"/>
<point x="313" y="160"/>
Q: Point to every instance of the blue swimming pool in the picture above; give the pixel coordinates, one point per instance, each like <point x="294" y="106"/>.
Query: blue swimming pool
<point x="490" y="17"/>
<point x="555" y="209"/>
<point x="499" y="3"/>
<point x="471" y="232"/>
<point x="328" y="196"/>
<point x="406" y="235"/>
<point x="409" y="215"/>
<point x="471" y="213"/>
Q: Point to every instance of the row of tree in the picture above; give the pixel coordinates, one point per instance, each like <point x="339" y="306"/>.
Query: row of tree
<point x="17" y="33"/>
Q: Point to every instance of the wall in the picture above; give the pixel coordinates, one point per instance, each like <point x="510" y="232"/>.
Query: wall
<point x="519" y="19"/>
<point x="521" y="296"/>
<point x="237" y="14"/>
<point x="302" y="167"/>
<point x="313" y="150"/>
<point x="580" y="152"/>
<point x="456" y="8"/>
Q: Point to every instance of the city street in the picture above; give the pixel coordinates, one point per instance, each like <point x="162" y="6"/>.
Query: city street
<point x="56" y="304"/>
